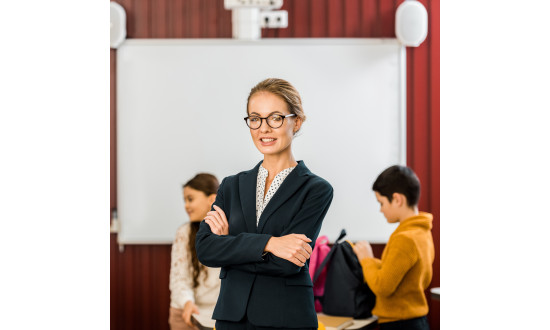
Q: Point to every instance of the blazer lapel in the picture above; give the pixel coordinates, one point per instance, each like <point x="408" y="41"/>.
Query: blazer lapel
<point x="290" y="185"/>
<point x="247" y="193"/>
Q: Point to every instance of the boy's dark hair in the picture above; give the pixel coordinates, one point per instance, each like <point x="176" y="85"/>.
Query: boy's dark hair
<point x="398" y="179"/>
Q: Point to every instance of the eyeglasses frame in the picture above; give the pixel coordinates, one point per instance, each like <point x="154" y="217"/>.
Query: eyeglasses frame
<point x="265" y="118"/>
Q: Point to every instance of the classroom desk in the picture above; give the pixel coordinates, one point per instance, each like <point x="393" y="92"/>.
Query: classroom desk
<point x="204" y="322"/>
<point x="337" y="323"/>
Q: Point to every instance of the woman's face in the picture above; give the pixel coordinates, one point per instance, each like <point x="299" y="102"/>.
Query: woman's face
<point x="272" y="141"/>
<point x="197" y="204"/>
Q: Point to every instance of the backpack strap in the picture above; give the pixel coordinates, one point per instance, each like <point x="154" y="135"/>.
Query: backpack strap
<point x="328" y="257"/>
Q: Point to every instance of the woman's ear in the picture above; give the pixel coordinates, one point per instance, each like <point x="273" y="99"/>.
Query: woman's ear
<point x="298" y="124"/>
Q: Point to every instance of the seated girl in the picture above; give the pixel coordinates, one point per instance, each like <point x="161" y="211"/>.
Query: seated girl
<point x="193" y="286"/>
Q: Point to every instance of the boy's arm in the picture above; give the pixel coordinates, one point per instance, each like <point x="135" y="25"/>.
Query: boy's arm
<point x="383" y="277"/>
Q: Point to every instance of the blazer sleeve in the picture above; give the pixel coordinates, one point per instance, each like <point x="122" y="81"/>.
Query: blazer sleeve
<point x="307" y="221"/>
<point x="223" y="250"/>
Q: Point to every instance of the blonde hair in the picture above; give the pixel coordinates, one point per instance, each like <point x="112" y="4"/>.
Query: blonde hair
<point x="284" y="90"/>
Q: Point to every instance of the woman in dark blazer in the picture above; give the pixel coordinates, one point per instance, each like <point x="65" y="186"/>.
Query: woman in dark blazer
<point x="265" y="221"/>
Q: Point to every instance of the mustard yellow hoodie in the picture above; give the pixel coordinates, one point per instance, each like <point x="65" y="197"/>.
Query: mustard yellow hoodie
<point x="405" y="271"/>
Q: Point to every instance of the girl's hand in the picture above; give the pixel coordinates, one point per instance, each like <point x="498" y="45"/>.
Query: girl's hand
<point x="292" y="247"/>
<point x="190" y="308"/>
<point x="363" y="250"/>
<point x="217" y="221"/>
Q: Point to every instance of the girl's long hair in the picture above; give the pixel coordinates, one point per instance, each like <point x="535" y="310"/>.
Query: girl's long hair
<point x="208" y="184"/>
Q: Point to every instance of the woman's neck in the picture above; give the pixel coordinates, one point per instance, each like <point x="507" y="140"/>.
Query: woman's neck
<point x="276" y="163"/>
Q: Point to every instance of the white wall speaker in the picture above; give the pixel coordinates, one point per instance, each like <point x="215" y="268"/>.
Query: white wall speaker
<point x="411" y="23"/>
<point x="118" y="25"/>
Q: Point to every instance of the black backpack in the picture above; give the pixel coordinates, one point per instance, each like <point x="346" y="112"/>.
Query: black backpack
<point x="346" y="293"/>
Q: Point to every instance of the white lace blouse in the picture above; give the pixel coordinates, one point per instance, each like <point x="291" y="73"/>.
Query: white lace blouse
<point x="261" y="202"/>
<point x="181" y="277"/>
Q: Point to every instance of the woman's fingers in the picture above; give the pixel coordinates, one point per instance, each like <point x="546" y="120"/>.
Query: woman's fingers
<point x="302" y="237"/>
<point x="219" y="217"/>
<point x="213" y="225"/>
<point x="301" y="257"/>
<point x="221" y="212"/>
<point x="303" y="254"/>
<point x="307" y="247"/>
<point x="215" y="217"/>
<point x="299" y="262"/>
<point x="209" y="223"/>
<point x="292" y="247"/>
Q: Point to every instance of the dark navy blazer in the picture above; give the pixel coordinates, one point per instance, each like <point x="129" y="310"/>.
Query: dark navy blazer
<point x="271" y="291"/>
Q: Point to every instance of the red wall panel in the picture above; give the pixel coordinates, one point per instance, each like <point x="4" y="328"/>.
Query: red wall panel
<point x="140" y="274"/>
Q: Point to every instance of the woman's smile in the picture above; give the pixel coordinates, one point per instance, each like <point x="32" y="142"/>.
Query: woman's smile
<point x="267" y="141"/>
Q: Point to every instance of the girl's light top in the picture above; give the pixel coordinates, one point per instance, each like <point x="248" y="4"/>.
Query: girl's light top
<point x="181" y="276"/>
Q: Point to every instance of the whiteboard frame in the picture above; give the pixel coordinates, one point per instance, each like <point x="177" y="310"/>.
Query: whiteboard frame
<point x="284" y="41"/>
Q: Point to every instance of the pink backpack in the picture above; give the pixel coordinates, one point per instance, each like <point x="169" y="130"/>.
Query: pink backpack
<point x="318" y="254"/>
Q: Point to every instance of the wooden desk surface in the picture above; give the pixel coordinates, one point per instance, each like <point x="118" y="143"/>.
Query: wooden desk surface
<point x="338" y="322"/>
<point x="204" y="321"/>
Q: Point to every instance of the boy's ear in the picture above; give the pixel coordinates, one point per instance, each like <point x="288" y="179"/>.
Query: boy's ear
<point x="399" y="199"/>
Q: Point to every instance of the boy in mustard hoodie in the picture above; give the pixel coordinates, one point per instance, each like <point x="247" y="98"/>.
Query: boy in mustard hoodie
<point x="399" y="279"/>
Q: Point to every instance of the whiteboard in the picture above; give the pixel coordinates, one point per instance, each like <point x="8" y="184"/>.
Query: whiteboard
<point x="180" y="110"/>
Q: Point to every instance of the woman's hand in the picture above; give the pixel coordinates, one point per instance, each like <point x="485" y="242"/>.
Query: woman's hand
<point x="363" y="250"/>
<point x="292" y="247"/>
<point x="217" y="221"/>
<point x="188" y="309"/>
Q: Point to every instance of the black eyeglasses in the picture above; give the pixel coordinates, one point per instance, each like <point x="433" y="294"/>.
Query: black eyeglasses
<point x="273" y="121"/>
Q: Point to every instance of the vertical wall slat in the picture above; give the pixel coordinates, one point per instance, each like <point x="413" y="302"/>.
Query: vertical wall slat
<point x="434" y="88"/>
<point x="194" y="19"/>
<point x="368" y="23"/>
<point x="224" y="21"/>
<point x="387" y="18"/>
<point x="335" y="20"/>
<point x="212" y="19"/>
<point x="114" y="301"/>
<point x="144" y="263"/>
<point x="351" y="18"/>
<point x="300" y="19"/>
<point x="159" y="19"/>
<point x="287" y="32"/>
<point x="176" y="21"/>
<point x="141" y="12"/>
<point x="318" y="18"/>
